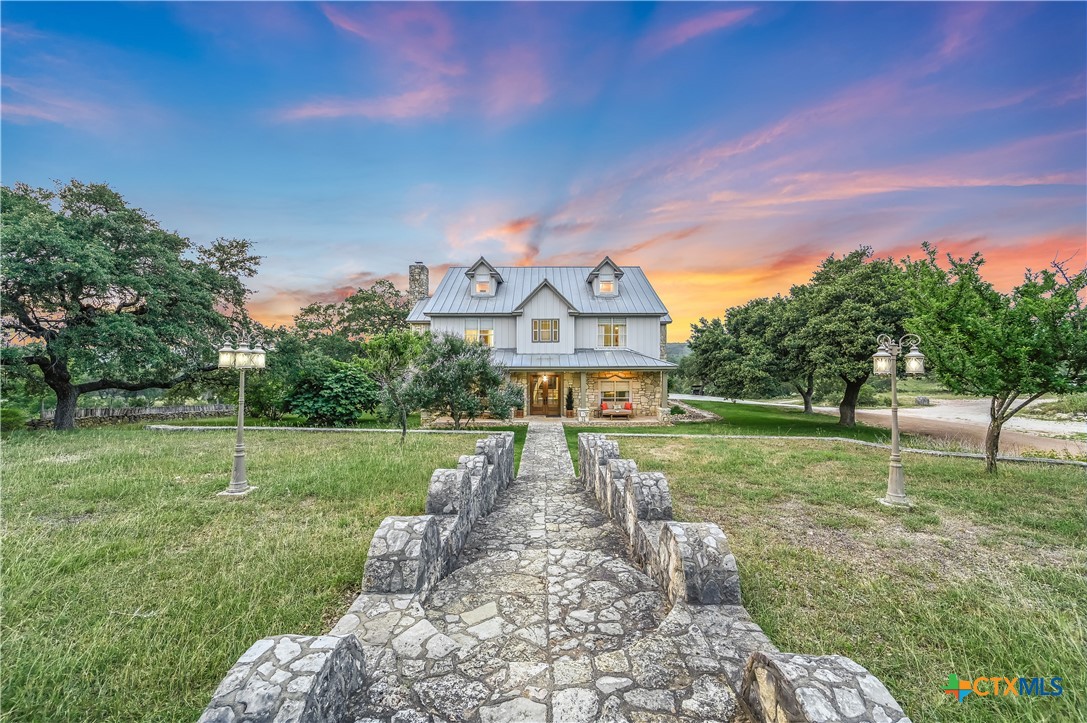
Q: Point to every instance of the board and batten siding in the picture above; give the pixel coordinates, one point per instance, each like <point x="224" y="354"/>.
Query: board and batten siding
<point x="643" y="333"/>
<point x="504" y="328"/>
<point x="546" y="305"/>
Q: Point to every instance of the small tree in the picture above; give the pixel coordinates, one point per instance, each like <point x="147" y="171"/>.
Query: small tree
<point x="391" y="360"/>
<point x="1012" y="347"/>
<point x="569" y="399"/>
<point x="458" y="378"/>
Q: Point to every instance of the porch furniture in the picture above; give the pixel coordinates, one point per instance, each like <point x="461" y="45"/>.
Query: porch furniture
<point x="616" y="409"/>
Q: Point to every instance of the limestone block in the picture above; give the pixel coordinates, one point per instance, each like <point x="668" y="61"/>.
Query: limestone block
<point x="616" y="470"/>
<point x="696" y="565"/>
<point x="647" y="498"/>
<point x="290" y="679"/>
<point x="481" y="496"/>
<point x="448" y="492"/>
<point x="405" y="555"/>
<point x="813" y="689"/>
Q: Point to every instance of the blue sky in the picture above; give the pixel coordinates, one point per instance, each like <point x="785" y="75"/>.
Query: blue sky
<point x="724" y="147"/>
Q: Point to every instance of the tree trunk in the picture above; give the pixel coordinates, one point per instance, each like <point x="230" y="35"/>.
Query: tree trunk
<point x="992" y="444"/>
<point x="847" y="410"/>
<point x="67" y="396"/>
<point x="403" y="424"/>
<point x="807" y="392"/>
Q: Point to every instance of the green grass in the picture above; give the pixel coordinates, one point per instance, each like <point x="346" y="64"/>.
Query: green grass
<point x="984" y="577"/>
<point x="759" y="419"/>
<point x="1070" y="404"/>
<point x="130" y="588"/>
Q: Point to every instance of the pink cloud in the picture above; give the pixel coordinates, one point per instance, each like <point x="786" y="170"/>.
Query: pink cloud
<point x="37" y="103"/>
<point x="514" y="79"/>
<point x="431" y="101"/>
<point x="665" y="39"/>
<point x="417" y="34"/>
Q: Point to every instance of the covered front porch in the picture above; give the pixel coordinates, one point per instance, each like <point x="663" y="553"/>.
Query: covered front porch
<point x="595" y="396"/>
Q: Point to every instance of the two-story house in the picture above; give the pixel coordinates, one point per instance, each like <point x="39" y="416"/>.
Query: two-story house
<point x="599" y="331"/>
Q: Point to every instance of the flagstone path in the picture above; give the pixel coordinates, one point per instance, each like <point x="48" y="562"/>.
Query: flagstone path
<point x="545" y="620"/>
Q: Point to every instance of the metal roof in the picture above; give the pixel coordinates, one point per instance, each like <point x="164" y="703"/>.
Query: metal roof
<point x="416" y="313"/>
<point x="453" y="297"/>
<point x="581" y="359"/>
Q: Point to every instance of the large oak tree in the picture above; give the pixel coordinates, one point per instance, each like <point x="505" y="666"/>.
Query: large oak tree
<point x="96" y="295"/>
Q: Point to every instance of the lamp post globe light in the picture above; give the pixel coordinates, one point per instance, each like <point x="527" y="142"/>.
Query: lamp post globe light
<point x="885" y="362"/>
<point x="236" y="353"/>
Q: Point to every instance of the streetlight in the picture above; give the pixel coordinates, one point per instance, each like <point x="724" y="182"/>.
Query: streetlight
<point x="237" y="354"/>
<point x="885" y="362"/>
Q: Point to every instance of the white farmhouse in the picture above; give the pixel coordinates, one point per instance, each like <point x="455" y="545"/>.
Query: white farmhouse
<point x="598" y="331"/>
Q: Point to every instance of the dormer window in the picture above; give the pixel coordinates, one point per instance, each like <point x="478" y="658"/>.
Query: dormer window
<point x="483" y="278"/>
<point x="605" y="278"/>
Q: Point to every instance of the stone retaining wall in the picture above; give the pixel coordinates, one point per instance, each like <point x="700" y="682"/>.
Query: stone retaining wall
<point x="299" y="679"/>
<point x="692" y="562"/>
<point x="99" y="416"/>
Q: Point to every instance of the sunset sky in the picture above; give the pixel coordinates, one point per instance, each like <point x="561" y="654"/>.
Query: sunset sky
<point x="725" y="148"/>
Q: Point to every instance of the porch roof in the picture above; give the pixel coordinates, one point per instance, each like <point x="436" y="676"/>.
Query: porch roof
<point x="582" y="360"/>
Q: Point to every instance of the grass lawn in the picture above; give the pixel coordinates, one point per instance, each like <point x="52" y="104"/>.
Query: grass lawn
<point x="761" y="419"/>
<point x="130" y="588"/>
<point x="985" y="577"/>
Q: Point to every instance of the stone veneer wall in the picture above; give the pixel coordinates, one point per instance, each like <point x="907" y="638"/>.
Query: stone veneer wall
<point x="692" y="562"/>
<point x="645" y="390"/>
<point x="305" y="679"/>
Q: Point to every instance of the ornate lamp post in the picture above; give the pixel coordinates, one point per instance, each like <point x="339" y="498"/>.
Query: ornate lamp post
<point x="237" y="354"/>
<point x="884" y="362"/>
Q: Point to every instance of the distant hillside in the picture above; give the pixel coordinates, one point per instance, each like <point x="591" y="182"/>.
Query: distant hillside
<point x="676" y="350"/>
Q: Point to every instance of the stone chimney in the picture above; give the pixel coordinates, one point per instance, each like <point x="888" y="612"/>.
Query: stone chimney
<point x="418" y="282"/>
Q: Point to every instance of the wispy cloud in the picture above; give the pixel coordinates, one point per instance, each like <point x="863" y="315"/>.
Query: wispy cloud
<point x="676" y="34"/>
<point x="426" y="102"/>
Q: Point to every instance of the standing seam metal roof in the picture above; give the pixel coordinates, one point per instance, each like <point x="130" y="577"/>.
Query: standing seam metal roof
<point x="583" y="359"/>
<point x="452" y="297"/>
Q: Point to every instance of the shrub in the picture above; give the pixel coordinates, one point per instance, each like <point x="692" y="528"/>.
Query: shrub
<point x="12" y="419"/>
<point x="336" y="396"/>
<point x="676" y="409"/>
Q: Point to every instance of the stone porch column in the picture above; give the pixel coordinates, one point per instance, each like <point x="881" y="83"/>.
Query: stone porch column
<point x="583" y="408"/>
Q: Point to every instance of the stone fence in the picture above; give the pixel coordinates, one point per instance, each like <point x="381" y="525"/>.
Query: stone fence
<point x="299" y="679"/>
<point x="693" y="564"/>
<point x="95" y="416"/>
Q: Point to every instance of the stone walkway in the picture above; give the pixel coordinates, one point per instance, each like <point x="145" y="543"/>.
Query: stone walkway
<point x="544" y="619"/>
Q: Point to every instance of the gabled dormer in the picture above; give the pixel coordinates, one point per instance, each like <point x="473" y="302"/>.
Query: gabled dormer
<point x="483" y="279"/>
<point x="605" y="278"/>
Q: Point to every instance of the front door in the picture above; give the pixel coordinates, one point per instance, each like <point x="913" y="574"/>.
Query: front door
<point x="544" y="390"/>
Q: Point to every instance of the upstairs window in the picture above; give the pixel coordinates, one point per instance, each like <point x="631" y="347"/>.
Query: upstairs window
<point x="483" y="287"/>
<point x="611" y="333"/>
<point x="479" y="330"/>
<point x="545" y="330"/>
<point x="607" y="286"/>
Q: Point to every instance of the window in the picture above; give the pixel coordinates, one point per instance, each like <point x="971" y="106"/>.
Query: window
<point x="483" y="287"/>
<point x="611" y="332"/>
<point x="615" y="392"/>
<point x="545" y="330"/>
<point x="479" y="330"/>
<point x="607" y="287"/>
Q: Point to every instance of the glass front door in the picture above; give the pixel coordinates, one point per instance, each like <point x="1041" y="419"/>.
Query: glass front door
<point x="544" y="389"/>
